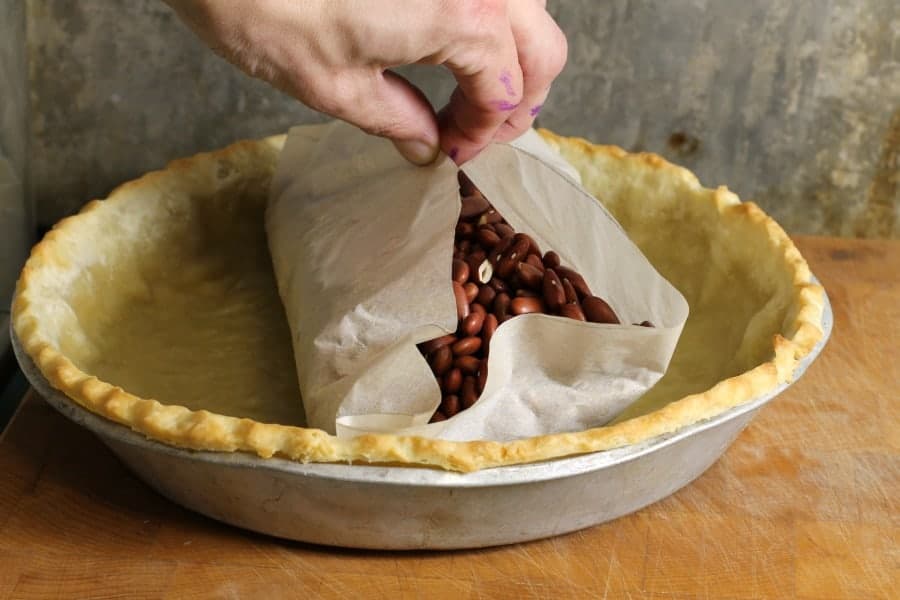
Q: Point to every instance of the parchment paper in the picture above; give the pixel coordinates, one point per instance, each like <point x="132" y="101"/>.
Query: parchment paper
<point x="362" y="245"/>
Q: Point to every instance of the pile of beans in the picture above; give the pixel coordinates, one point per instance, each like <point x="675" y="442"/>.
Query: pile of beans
<point x="498" y="274"/>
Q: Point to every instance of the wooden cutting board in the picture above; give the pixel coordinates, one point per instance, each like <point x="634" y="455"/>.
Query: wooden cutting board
<point x="805" y="504"/>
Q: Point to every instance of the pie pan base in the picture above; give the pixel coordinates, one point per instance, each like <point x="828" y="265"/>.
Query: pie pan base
<point x="363" y="506"/>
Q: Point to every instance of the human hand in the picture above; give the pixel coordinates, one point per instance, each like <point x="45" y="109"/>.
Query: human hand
<point x="335" y="56"/>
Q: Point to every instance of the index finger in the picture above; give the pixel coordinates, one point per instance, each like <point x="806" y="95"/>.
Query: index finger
<point x="489" y="89"/>
<point x="542" y="49"/>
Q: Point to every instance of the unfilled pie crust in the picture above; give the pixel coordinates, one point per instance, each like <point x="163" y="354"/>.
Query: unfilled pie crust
<point x="157" y="308"/>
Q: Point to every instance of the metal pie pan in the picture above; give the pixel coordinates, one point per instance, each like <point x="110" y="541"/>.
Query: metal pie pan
<point x="402" y="508"/>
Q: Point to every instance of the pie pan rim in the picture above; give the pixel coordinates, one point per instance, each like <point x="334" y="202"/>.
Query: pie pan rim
<point x="413" y="475"/>
<point x="205" y="430"/>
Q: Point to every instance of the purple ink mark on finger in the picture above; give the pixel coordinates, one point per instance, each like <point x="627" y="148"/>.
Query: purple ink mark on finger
<point x="506" y="105"/>
<point x="454" y="152"/>
<point x="535" y="110"/>
<point x="506" y="80"/>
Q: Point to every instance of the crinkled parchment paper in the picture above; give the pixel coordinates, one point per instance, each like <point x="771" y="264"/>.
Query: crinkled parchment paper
<point x="362" y="246"/>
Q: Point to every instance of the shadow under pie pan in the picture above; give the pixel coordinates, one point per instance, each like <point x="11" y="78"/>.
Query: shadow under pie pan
<point x="153" y="320"/>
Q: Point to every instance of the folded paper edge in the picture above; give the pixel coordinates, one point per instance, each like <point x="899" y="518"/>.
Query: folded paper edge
<point x="530" y="152"/>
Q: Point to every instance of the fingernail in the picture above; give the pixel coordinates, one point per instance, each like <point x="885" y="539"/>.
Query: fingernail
<point x="416" y="151"/>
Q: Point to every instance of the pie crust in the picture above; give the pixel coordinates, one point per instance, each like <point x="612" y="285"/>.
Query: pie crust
<point x="157" y="309"/>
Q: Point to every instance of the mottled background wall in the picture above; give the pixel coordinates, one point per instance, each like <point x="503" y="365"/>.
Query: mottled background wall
<point x="793" y="104"/>
<point x="14" y="216"/>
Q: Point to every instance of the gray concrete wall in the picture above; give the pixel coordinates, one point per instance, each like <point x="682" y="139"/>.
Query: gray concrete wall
<point x="793" y="104"/>
<point x="14" y="216"/>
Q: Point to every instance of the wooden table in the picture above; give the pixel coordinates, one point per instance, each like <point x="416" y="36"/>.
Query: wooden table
<point x="805" y="504"/>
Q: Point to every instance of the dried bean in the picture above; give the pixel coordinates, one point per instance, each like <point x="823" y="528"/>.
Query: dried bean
<point x="485" y="296"/>
<point x="572" y="311"/>
<point x="482" y="376"/>
<point x="535" y="261"/>
<point x="442" y="360"/>
<point x="467" y="364"/>
<point x="462" y="302"/>
<point x="577" y="280"/>
<point x="472" y="324"/>
<point x="491" y="216"/>
<point x="431" y="345"/>
<point x="488" y="238"/>
<point x="474" y="263"/>
<point x="554" y="295"/>
<point x="473" y="206"/>
<point x="498" y="285"/>
<point x="464" y="230"/>
<point x="571" y="296"/>
<point x="471" y="290"/>
<point x="487" y="331"/>
<point x="466" y="187"/>
<point x="450" y="405"/>
<point x="460" y="271"/>
<point x="524" y="305"/>
<point x="529" y="275"/>
<point x="452" y="381"/>
<point x="551" y="259"/>
<point x="501" y="305"/>
<point x="485" y="271"/>
<point x="498" y="250"/>
<point x="511" y="258"/>
<point x="504" y="230"/>
<point x="598" y="311"/>
<point x="465" y="346"/>
<point x="517" y="238"/>
<point x="468" y="395"/>
<point x="530" y="248"/>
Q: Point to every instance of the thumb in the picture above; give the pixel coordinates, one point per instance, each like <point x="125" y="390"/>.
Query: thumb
<point x="399" y="111"/>
<point x="416" y="152"/>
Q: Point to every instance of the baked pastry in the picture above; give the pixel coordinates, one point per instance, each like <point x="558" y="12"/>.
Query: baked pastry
<point x="157" y="309"/>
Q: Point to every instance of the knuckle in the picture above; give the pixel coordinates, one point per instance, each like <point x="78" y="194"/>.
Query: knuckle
<point x="478" y="137"/>
<point x="476" y="11"/>
<point x="518" y="123"/>
<point x="475" y="20"/>
<point x="479" y="31"/>
<point x="338" y="97"/>
<point x="385" y="125"/>
<point x="547" y="63"/>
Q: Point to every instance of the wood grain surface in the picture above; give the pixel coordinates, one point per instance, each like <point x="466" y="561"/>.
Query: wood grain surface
<point x="805" y="504"/>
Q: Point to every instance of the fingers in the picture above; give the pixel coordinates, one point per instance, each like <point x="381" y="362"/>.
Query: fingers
<point x="407" y="118"/>
<point x="502" y="89"/>
<point x="385" y="104"/>
<point x="542" y="52"/>
<point x="489" y="89"/>
<point x="331" y="56"/>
